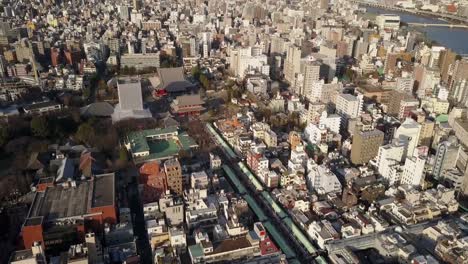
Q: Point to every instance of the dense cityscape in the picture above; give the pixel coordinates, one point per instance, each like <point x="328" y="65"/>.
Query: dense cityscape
<point x="234" y="131"/>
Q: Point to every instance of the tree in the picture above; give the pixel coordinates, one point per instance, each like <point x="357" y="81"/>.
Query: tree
<point x="196" y="72"/>
<point x="86" y="92"/>
<point x="205" y="82"/>
<point x="40" y="127"/>
<point x="123" y="155"/>
<point x="3" y="135"/>
<point x="85" y="133"/>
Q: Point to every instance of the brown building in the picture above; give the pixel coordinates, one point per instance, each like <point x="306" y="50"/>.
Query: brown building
<point x="425" y="135"/>
<point x="342" y="49"/>
<point x="153" y="182"/>
<point x="366" y="145"/>
<point x="173" y="172"/>
<point x="55" y="56"/>
<point x="460" y="71"/>
<point x="395" y="100"/>
<point x="72" y="57"/>
<point x="375" y="94"/>
<point x="447" y="58"/>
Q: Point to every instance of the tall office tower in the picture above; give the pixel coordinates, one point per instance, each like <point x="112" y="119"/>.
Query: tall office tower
<point x="409" y="132"/>
<point x="292" y="65"/>
<point x="446" y="59"/>
<point x="413" y="171"/>
<point x="276" y="45"/>
<point x="459" y="92"/>
<point x="366" y="145"/>
<point x="193" y="46"/>
<point x="173" y="172"/>
<point x="446" y="156"/>
<point x="429" y="79"/>
<point x="360" y="48"/>
<point x="425" y="135"/>
<point x="206" y="43"/>
<point x="136" y="5"/>
<point x="124" y="12"/>
<point x="55" y="56"/>
<point x="460" y="72"/>
<point x="311" y="73"/>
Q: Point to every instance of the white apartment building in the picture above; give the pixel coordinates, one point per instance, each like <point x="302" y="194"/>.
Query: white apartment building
<point x="348" y="105"/>
<point x="409" y="132"/>
<point x="413" y="171"/>
<point x="332" y="122"/>
<point x="322" y="180"/>
<point x="388" y="159"/>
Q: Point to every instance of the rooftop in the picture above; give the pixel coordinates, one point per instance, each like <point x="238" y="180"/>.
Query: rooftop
<point x="173" y="79"/>
<point x="62" y="201"/>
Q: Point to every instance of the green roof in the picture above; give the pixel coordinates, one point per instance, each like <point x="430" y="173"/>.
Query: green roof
<point x="186" y="141"/>
<point x="196" y="251"/>
<point x="254" y="206"/>
<point x="138" y="138"/>
<point x="298" y="233"/>
<point x="287" y="250"/>
<point x="162" y="148"/>
<point x="278" y="210"/>
<point x="240" y="188"/>
<point x="441" y="119"/>
<point x="320" y="260"/>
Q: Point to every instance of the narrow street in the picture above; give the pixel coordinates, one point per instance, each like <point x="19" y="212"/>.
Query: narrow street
<point x="136" y="209"/>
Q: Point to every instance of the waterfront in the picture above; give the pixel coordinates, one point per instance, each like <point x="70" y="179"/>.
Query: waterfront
<point x="453" y="38"/>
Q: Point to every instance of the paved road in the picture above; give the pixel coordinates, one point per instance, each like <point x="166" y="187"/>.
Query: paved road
<point x="273" y="217"/>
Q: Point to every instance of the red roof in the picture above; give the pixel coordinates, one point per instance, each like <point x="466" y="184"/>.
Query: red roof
<point x="267" y="247"/>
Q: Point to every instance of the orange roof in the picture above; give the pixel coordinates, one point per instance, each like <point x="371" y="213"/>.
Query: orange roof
<point x="150" y="168"/>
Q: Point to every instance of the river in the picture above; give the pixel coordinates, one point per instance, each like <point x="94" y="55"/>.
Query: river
<point x="453" y="38"/>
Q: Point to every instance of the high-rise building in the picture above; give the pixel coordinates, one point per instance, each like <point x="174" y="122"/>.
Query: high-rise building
<point x="348" y="105"/>
<point x="136" y="5"/>
<point x="311" y="73"/>
<point x="388" y="160"/>
<point x="460" y="71"/>
<point x="446" y="156"/>
<point x="405" y="84"/>
<point x="409" y="132"/>
<point x="153" y="182"/>
<point x="292" y="64"/>
<point x="413" y="171"/>
<point x="366" y="145"/>
<point x="173" y="172"/>
<point x="124" y="12"/>
<point x="446" y="59"/>
<point x="425" y="135"/>
<point x="55" y="56"/>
